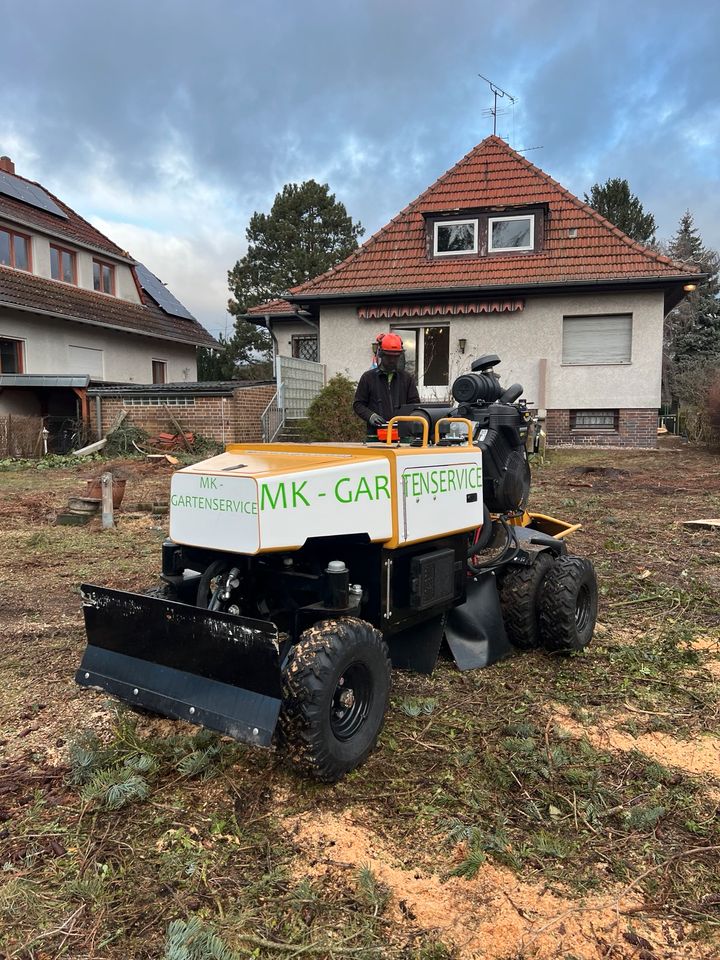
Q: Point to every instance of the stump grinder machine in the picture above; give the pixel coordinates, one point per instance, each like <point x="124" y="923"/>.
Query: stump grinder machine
<point x="296" y="575"/>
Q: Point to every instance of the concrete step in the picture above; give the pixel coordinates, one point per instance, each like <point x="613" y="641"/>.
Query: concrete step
<point x="291" y="432"/>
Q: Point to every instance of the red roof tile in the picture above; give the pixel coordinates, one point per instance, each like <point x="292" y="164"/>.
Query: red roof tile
<point x="493" y="175"/>
<point x="29" y="292"/>
<point x="74" y="228"/>
<point x="273" y="306"/>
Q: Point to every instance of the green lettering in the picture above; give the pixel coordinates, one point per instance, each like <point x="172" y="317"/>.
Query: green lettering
<point x="280" y="495"/>
<point x="363" y="488"/>
<point x="343" y="499"/>
<point x="443" y="477"/>
<point x="208" y="482"/>
<point x="451" y="481"/>
<point x="297" y="493"/>
<point x="381" y="483"/>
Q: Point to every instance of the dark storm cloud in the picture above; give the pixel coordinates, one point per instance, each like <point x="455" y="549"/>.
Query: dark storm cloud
<point x="377" y="98"/>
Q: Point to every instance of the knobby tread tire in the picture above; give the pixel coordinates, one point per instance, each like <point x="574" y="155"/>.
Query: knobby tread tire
<point x="520" y="590"/>
<point x="558" y="602"/>
<point x="310" y="678"/>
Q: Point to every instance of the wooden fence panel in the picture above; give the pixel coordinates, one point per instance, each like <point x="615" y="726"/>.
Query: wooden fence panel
<point x="20" y="436"/>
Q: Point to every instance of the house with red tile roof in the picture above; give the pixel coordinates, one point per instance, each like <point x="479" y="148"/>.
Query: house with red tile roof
<point x="76" y="309"/>
<point x="497" y="257"/>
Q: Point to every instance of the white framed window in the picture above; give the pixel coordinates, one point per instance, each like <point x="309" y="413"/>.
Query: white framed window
<point x="510" y="234"/>
<point x="427" y="354"/>
<point x="597" y="340"/>
<point x="452" y="237"/>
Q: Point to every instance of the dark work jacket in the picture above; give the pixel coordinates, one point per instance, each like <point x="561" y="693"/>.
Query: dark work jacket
<point x="375" y="395"/>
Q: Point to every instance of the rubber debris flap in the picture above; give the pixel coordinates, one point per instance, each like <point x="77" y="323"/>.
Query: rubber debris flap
<point x="475" y="631"/>
<point x="210" y="668"/>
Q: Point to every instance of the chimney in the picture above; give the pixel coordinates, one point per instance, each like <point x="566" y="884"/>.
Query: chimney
<point x="6" y="165"/>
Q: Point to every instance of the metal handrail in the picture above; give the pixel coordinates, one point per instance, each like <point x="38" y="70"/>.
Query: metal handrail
<point x="273" y="416"/>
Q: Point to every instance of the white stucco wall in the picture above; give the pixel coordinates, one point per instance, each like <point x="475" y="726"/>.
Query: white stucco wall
<point x="126" y="357"/>
<point x="285" y="330"/>
<point x="125" y="288"/>
<point x="522" y="340"/>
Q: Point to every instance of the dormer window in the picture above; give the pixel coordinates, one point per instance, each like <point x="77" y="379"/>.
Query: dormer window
<point x="455" y="236"/>
<point x="486" y="233"/>
<point x="510" y="234"/>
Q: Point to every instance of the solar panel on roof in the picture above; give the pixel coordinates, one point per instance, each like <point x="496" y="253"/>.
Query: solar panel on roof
<point x="160" y="293"/>
<point x="29" y="193"/>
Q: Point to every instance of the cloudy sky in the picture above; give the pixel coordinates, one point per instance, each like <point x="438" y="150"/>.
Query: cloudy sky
<point x="167" y="123"/>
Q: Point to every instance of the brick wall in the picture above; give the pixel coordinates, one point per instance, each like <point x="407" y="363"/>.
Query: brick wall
<point x="636" y="428"/>
<point x="234" y="419"/>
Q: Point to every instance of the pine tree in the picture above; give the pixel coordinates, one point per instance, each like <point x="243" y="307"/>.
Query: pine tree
<point x="306" y="232"/>
<point x="692" y="329"/>
<point x="243" y="356"/>
<point x="614" y="201"/>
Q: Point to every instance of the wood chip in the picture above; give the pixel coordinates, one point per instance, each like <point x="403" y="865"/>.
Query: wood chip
<point x="703" y="524"/>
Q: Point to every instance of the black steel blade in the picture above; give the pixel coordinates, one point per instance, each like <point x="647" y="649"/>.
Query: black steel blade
<point x="211" y="668"/>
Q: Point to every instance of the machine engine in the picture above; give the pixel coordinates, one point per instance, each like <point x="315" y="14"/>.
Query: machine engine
<point x="501" y="422"/>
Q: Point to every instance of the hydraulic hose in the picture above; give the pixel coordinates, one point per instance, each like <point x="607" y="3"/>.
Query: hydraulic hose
<point x="507" y="553"/>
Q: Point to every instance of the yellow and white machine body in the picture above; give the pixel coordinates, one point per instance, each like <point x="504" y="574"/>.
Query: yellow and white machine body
<point x="261" y="498"/>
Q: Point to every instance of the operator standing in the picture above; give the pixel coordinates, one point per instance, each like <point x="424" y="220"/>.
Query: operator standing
<point x="383" y="390"/>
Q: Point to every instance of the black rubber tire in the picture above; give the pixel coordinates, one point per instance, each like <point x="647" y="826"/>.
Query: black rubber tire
<point x="568" y="604"/>
<point x="322" y="737"/>
<point x="520" y="590"/>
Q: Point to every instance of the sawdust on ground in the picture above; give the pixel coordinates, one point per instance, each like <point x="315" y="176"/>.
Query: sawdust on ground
<point x="700" y="756"/>
<point x="494" y="915"/>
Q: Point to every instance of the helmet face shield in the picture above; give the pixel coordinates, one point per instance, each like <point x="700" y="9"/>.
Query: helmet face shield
<point x="390" y="352"/>
<point x="390" y="359"/>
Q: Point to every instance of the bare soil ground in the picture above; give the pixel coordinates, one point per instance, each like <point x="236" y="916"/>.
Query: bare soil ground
<point x="548" y="807"/>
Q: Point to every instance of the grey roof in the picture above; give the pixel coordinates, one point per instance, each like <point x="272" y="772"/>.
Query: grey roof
<point x="45" y="380"/>
<point x="214" y="388"/>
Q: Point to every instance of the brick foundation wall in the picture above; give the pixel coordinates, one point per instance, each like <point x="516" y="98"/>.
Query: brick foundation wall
<point x="234" y="419"/>
<point x="636" y="428"/>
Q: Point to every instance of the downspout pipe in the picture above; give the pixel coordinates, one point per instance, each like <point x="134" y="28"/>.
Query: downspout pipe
<point x="98" y="417"/>
<point x="276" y="345"/>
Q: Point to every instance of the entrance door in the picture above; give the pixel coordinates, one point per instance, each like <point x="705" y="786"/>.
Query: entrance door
<point x="427" y="357"/>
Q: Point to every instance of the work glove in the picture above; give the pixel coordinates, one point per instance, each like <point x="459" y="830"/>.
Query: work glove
<point x="376" y="420"/>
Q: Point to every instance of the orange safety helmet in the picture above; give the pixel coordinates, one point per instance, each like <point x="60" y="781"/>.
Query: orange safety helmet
<point x="390" y="342"/>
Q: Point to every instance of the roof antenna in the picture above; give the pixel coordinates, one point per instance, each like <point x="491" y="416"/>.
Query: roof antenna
<point x="493" y="111"/>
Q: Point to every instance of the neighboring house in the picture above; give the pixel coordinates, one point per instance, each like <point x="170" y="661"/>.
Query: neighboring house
<point x="497" y="257"/>
<point x="75" y="309"/>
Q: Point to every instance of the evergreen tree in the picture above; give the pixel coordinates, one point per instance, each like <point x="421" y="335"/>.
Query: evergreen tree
<point x="243" y="356"/>
<point x="614" y="201"/>
<point x="306" y="232"/>
<point x="692" y="329"/>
